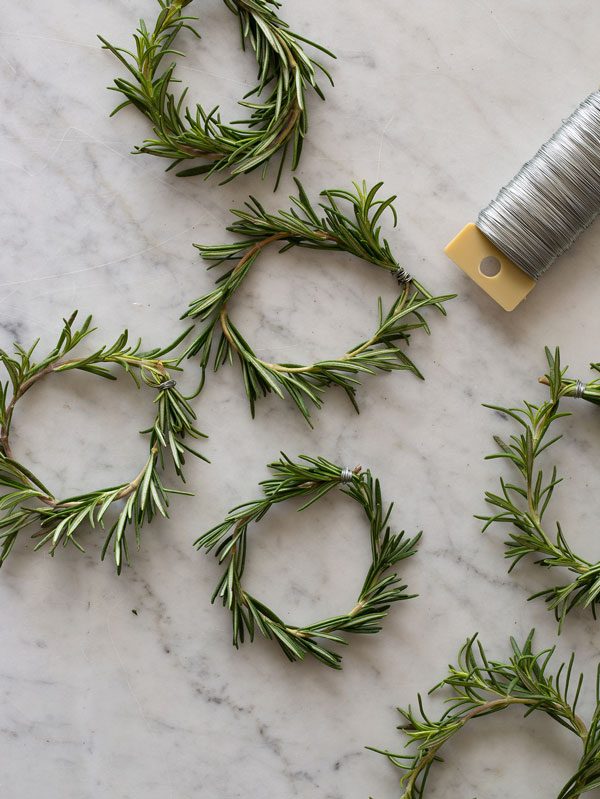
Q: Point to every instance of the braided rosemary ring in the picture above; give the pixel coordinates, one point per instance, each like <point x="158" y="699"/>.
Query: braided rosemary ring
<point x="480" y="686"/>
<point x="27" y="502"/>
<point x="358" y="234"/>
<point x="278" y="118"/>
<point x="523" y="506"/>
<point x="311" y="478"/>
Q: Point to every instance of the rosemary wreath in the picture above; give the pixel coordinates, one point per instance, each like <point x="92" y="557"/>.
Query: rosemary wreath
<point x="358" y="234"/>
<point x="27" y="502"/>
<point x="480" y="687"/>
<point x="311" y="478"/>
<point x="278" y="117"/>
<point x="523" y="505"/>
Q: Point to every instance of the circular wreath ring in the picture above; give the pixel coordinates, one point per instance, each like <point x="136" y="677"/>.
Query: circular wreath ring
<point x="278" y="116"/>
<point x="523" y="506"/>
<point x="311" y="478"/>
<point x="26" y="501"/>
<point x="480" y="686"/>
<point x="358" y="234"/>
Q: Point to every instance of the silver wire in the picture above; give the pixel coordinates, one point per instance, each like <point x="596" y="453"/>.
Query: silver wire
<point x="553" y="199"/>
<point x="402" y="276"/>
<point x="346" y="475"/>
<point x="579" y="389"/>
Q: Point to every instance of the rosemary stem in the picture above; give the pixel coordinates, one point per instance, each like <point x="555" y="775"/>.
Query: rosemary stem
<point x="310" y="479"/>
<point x="277" y="121"/>
<point x="224" y="320"/>
<point x="580" y="566"/>
<point x="145" y="495"/>
<point x="346" y="221"/>
<point x="426" y="761"/>
<point x="58" y="364"/>
<point x="21" y="390"/>
<point x="125" y="491"/>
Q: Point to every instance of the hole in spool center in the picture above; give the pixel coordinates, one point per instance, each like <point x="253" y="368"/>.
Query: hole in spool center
<point x="490" y="266"/>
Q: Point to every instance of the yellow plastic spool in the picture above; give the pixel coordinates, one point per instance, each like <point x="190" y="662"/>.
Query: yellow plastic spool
<point x="474" y="252"/>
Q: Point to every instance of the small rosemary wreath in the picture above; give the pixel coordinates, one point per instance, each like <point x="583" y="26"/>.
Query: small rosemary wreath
<point x="26" y="501"/>
<point x="311" y="478"/>
<point x="480" y="687"/>
<point x="301" y="226"/>
<point x="278" y="118"/>
<point x="523" y="505"/>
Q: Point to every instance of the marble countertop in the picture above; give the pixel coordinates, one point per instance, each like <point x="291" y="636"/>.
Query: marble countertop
<point x="443" y="101"/>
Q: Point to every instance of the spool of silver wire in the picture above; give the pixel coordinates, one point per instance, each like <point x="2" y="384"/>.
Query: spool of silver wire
<point x="553" y="199"/>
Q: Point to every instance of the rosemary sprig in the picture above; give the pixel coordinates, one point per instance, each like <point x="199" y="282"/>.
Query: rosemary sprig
<point x="27" y="502"/>
<point x="523" y="505"/>
<point x="278" y="117"/>
<point x="328" y="228"/>
<point x="311" y="478"/>
<point x="479" y="687"/>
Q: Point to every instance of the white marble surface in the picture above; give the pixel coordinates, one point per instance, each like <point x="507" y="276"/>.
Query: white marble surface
<point x="443" y="101"/>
